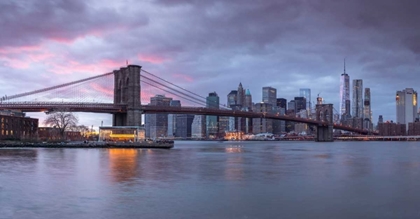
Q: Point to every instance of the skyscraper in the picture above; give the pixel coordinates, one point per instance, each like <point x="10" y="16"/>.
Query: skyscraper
<point x="406" y="101"/>
<point x="306" y="93"/>
<point x="282" y="103"/>
<point x="172" y="118"/>
<point x="300" y="104"/>
<point x="357" y="110"/>
<point x="157" y="124"/>
<point x="345" y="94"/>
<point x="241" y="95"/>
<point x="232" y="98"/>
<point x="212" y="122"/>
<point x="248" y="100"/>
<point x="269" y="95"/>
<point x="367" y="113"/>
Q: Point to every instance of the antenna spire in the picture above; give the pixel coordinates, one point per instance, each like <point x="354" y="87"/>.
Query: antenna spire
<point x="344" y="65"/>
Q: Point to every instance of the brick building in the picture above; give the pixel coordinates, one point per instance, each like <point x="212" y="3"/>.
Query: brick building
<point x="391" y="129"/>
<point x="18" y="127"/>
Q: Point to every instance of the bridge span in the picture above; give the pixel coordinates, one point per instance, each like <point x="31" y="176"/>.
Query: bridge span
<point x="122" y="108"/>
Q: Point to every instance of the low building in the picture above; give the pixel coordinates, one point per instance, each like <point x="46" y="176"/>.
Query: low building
<point x="414" y="128"/>
<point x="391" y="129"/>
<point x="18" y="127"/>
<point x="122" y="133"/>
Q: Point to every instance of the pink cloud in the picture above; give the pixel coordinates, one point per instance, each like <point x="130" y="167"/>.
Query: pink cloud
<point x="183" y="77"/>
<point x="108" y="92"/>
<point x="152" y="59"/>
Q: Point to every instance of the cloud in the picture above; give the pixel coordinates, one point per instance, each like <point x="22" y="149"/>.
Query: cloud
<point x="207" y="46"/>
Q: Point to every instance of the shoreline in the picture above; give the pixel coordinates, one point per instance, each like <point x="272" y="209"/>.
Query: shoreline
<point x="144" y="145"/>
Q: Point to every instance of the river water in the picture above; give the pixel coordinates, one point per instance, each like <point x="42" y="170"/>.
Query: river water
<point x="214" y="180"/>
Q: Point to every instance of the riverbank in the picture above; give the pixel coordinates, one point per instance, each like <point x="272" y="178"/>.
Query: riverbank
<point x="142" y="144"/>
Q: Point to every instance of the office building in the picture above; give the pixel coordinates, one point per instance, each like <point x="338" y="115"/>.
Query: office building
<point x="306" y="93"/>
<point x="345" y="94"/>
<point x="184" y="126"/>
<point x="357" y="110"/>
<point x="248" y="100"/>
<point x="406" y="101"/>
<point x="157" y="124"/>
<point x="282" y="103"/>
<point x="241" y="96"/>
<point x="232" y="99"/>
<point x="269" y="95"/>
<point x="212" y="122"/>
<point x="300" y="104"/>
<point x="262" y="125"/>
<point x="172" y="118"/>
<point x="198" y="127"/>
<point x="367" y="113"/>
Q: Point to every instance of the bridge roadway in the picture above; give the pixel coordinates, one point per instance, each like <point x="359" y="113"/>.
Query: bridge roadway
<point x="122" y="108"/>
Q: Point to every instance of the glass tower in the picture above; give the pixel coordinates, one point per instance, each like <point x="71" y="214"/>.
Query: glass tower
<point x="306" y="93"/>
<point x="357" y="110"/>
<point x="345" y="93"/>
<point x="406" y="101"/>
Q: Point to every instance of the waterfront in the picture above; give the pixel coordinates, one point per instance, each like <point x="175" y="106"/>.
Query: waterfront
<point x="214" y="180"/>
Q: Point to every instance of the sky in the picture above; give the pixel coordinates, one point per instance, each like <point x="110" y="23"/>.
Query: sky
<point x="207" y="46"/>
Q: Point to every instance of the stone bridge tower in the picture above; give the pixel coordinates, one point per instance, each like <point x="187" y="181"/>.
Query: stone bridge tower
<point x="324" y="113"/>
<point x="127" y="91"/>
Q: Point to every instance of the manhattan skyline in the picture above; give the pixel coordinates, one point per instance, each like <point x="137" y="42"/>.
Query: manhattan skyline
<point x="197" y="45"/>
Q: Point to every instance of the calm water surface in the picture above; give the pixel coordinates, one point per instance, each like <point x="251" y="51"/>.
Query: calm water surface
<point x="214" y="180"/>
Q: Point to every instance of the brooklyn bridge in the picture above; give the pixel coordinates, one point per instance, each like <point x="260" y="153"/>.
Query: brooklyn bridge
<point x="127" y="109"/>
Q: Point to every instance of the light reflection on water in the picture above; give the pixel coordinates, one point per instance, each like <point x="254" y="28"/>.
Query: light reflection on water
<point x="214" y="180"/>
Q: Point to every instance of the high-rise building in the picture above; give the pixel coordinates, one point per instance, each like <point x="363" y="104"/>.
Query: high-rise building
<point x="199" y="127"/>
<point x="345" y="94"/>
<point x="248" y="100"/>
<point x="232" y="98"/>
<point x="406" y="106"/>
<point x="212" y="122"/>
<point x="357" y="110"/>
<point x="262" y="125"/>
<point x="300" y="104"/>
<point x="172" y="118"/>
<point x="241" y="96"/>
<point x="282" y="103"/>
<point x="367" y="113"/>
<point x="269" y="95"/>
<point x="306" y="93"/>
<point x="291" y="107"/>
<point x="183" y="125"/>
<point x="157" y="124"/>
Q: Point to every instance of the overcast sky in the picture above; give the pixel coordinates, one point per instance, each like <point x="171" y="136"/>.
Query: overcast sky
<point x="207" y="46"/>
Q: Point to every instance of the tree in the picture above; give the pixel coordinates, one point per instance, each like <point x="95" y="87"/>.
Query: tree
<point x="80" y="128"/>
<point x="61" y="120"/>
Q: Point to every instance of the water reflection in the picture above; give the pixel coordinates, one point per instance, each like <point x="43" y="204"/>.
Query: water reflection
<point x="10" y="158"/>
<point x="234" y="166"/>
<point x="123" y="164"/>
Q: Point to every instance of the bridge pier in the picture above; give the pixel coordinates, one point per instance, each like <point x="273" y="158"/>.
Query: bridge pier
<point x="324" y="132"/>
<point x="127" y="91"/>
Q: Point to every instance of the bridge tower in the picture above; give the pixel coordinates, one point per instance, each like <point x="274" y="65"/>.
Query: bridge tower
<point x="324" y="113"/>
<point x="127" y="91"/>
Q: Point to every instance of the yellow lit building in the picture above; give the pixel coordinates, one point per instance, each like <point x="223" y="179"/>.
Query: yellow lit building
<point x="122" y="133"/>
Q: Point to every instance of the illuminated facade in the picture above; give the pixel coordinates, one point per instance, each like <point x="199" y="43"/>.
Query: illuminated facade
<point x="357" y="110"/>
<point x="406" y="102"/>
<point x="345" y="94"/>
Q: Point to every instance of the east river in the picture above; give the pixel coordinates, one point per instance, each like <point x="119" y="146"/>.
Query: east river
<point x="214" y="180"/>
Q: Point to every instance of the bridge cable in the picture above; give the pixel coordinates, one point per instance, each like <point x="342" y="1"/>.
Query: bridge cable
<point x="56" y="86"/>
<point x="223" y="106"/>
<point x="173" y="93"/>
